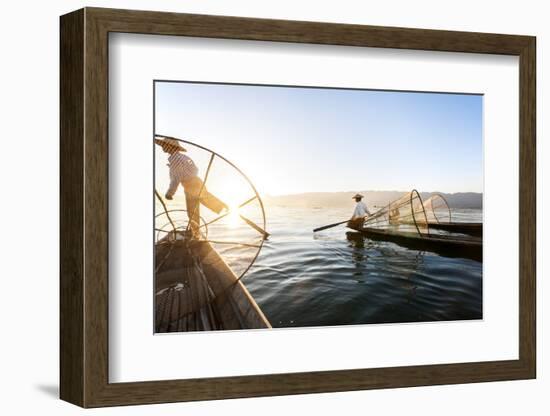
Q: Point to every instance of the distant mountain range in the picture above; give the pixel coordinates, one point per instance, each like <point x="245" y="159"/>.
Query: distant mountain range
<point x="373" y="199"/>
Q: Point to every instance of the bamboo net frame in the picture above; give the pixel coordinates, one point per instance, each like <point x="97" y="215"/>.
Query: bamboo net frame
<point x="406" y="213"/>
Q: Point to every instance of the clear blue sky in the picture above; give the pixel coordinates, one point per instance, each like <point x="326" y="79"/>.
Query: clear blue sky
<point x="292" y="140"/>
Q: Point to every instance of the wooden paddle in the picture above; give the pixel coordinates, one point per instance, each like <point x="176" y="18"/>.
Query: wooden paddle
<point x="329" y="226"/>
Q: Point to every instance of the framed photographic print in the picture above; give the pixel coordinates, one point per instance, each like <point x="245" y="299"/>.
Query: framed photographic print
<point x="255" y="207"/>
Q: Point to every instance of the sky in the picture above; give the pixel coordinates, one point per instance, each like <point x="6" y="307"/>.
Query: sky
<point x="291" y="140"/>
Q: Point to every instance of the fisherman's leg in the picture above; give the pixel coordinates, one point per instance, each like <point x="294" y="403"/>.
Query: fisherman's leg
<point x="193" y="210"/>
<point x="209" y="200"/>
<point x="356" y="224"/>
<point x="212" y="202"/>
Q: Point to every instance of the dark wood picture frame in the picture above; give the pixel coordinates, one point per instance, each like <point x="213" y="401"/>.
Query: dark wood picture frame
<point x="84" y="207"/>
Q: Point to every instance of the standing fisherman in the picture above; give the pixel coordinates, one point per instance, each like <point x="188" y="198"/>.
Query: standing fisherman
<point x="183" y="170"/>
<point x="359" y="214"/>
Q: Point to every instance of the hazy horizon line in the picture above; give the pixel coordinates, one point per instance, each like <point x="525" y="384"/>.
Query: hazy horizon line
<point x="372" y="190"/>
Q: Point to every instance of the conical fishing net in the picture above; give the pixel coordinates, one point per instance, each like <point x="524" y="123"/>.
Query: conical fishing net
<point x="437" y="209"/>
<point x="405" y="214"/>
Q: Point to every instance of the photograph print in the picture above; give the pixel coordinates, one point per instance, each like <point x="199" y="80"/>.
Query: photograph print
<point x="297" y="206"/>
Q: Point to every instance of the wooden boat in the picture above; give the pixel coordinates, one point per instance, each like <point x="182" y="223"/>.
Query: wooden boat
<point x="195" y="290"/>
<point x="407" y="222"/>
<point x="470" y="228"/>
<point x="439" y="217"/>
<point x="447" y="245"/>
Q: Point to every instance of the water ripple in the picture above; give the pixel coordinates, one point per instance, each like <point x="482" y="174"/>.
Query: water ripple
<point x="305" y="280"/>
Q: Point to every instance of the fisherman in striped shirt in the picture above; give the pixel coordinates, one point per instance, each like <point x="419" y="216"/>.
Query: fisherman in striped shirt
<point x="184" y="171"/>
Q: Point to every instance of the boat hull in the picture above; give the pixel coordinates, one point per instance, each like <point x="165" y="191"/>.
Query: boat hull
<point x="197" y="291"/>
<point x="449" y="246"/>
<point x="470" y="228"/>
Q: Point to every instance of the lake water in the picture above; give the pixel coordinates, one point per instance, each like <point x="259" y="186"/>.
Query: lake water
<point x="301" y="278"/>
